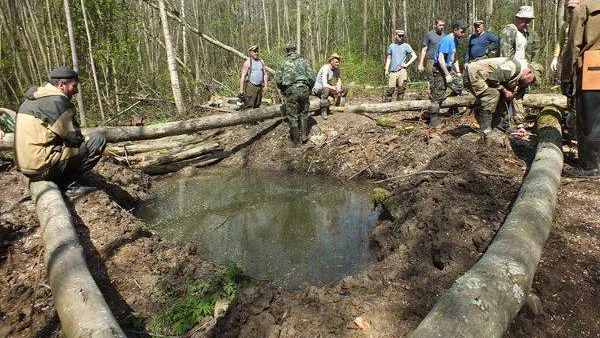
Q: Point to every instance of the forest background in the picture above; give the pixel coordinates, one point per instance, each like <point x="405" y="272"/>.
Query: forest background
<point x="130" y="61"/>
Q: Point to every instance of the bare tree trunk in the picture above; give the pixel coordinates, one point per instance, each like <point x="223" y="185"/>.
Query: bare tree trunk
<point x="115" y="84"/>
<point x="172" y="62"/>
<point x="277" y="10"/>
<point x="266" y="20"/>
<point x="298" y="24"/>
<point x="92" y="63"/>
<point x="182" y="10"/>
<point x="69" y="19"/>
<point x="489" y="10"/>
<point x="51" y="28"/>
<point x="394" y="16"/>
<point x="404" y="16"/>
<point x="37" y="38"/>
<point x="365" y="32"/>
<point x="286" y="17"/>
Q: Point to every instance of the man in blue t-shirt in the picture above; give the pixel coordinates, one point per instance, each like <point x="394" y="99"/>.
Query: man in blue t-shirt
<point x="445" y="65"/>
<point x="396" y="63"/>
<point x="480" y="43"/>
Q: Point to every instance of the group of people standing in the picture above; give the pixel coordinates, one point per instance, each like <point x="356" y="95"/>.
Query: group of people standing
<point x="49" y="144"/>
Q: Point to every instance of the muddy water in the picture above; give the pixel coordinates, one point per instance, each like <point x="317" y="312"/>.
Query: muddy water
<point x="286" y="228"/>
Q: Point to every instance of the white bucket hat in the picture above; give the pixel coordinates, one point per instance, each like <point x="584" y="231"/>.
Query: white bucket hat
<point x="525" y="12"/>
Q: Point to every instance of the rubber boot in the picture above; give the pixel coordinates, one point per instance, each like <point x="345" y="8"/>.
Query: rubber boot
<point x="294" y="136"/>
<point x="484" y="118"/>
<point x="400" y="94"/>
<point x="433" y="116"/>
<point x="388" y="95"/>
<point x="304" y="131"/>
<point x="324" y="111"/>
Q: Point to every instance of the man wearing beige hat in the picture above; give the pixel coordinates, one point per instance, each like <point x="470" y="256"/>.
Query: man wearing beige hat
<point x="329" y="84"/>
<point x="517" y="41"/>
<point x="399" y="56"/>
<point x="254" y="80"/>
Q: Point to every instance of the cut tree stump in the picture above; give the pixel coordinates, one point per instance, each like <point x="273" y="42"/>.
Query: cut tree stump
<point x="484" y="301"/>
<point x="80" y="305"/>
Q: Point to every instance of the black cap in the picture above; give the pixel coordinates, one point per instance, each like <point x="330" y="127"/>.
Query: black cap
<point x="63" y="72"/>
<point x="460" y="24"/>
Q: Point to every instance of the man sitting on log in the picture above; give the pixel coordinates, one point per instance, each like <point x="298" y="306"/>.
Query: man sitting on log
<point x="491" y="79"/>
<point x="49" y="145"/>
<point x="329" y="84"/>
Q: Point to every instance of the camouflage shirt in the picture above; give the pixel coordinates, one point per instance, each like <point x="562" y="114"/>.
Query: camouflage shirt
<point x="508" y="39"/>
<point x="294" y="70"/>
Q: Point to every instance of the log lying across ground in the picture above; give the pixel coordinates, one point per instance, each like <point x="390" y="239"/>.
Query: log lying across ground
<point x="118" y="134"/>
<point x="82" y="310"/>
<point x="484" y="301"/>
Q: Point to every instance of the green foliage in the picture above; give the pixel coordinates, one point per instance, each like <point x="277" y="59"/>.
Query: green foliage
<point x="195" y="300"/>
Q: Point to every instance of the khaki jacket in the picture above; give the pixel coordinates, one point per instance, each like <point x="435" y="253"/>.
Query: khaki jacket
<point x="46" y="131"/>
<point x="584" y="35"/>
<point x="498" y="73"/>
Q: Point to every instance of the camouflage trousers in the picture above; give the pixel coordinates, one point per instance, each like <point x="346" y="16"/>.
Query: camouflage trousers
<point x="325" y="93"/>
<point x="438" y="86"/>
<point x="296" y="104"/>
<point x="252" y="95"/>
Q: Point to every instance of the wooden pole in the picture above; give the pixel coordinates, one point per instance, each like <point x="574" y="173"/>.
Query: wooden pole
<point x="82" y="310"/>
<point x="483" y="302"/>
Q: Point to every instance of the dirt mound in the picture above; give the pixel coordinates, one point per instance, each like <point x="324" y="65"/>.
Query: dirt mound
<point x="450" y="194"/>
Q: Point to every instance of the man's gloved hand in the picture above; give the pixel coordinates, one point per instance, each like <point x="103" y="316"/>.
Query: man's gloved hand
<point x="554" y="63"/>
<point x="567" y="89"/>
<point x="420" y="67"/>
<point x="448" y="79"/>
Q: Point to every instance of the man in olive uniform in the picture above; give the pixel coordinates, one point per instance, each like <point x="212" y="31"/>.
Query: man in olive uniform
<point x="580" y="79"/>
<point x="49" y="145"/>
<point x="294" y="79"/>
<point x="492" y="79"/>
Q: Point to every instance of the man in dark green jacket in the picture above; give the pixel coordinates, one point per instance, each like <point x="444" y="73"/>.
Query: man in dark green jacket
<point x="294" y="79"/>
<point x="49" y="145"/>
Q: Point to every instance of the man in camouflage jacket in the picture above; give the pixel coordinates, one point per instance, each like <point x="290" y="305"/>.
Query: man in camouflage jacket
<point x="294" y="79"/>
<point x="492" y="79"/>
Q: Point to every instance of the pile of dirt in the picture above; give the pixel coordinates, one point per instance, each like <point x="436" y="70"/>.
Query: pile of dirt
<point x="450" y="192"/>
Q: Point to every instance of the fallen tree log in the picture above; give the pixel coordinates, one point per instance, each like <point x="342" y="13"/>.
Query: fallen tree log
<point x="164" y="143"/>
<point x="118" y="134"/>
<point x="530" y="100"/>
<point x="198" y="162"/>
<point x="182" y="154"/>
<point x="82" y="310"/>
<point x="484" y="301"/>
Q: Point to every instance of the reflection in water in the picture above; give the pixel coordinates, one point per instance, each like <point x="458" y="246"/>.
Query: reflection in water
<point x="287" y="228"/>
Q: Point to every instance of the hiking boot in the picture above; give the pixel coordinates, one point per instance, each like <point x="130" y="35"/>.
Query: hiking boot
<point x="75" y="190"/>
<point x="579" y="172"/>
<point x="324" y="112"/>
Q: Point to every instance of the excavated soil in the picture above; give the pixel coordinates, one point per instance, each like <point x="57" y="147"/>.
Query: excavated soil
<point x="451" y="193"/>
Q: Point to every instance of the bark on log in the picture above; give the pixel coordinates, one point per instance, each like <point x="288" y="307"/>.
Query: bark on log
<point x="118" y="134"/>
<point x="198" y="162"/>
<point x="530" y="100"/>
<point x="484" y="301"/>
<point x="165" y="143"/>
<point x="82" y="310"/>
<point x="182" y="154"/>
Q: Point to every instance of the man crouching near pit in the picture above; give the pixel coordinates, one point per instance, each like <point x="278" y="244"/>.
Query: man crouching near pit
<point x="49" y="145"/>
<point x="491" y="80"/>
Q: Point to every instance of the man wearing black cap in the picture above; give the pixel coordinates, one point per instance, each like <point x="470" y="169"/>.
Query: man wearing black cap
<point x="49" y="145"/>
<point x="480" y="43"/>
<point x="447" y="70"/>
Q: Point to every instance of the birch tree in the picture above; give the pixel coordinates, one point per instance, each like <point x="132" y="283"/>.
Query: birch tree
<point x="171" y="60"/>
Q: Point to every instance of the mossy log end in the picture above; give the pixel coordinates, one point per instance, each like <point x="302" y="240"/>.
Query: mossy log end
<point x="82" y="310"/>
<point x="484" y="301"/>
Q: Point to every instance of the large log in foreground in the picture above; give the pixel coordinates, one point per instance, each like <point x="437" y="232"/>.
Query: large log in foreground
<point x="82" y="310"/>
<point x="118" y="134"/>
<point x="484" y="301"/>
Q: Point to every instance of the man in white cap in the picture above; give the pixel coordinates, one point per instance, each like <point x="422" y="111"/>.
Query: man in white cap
<point x="254" y="80"/>
<point x="517" y="41"/>
<point x="396" y="63"/>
